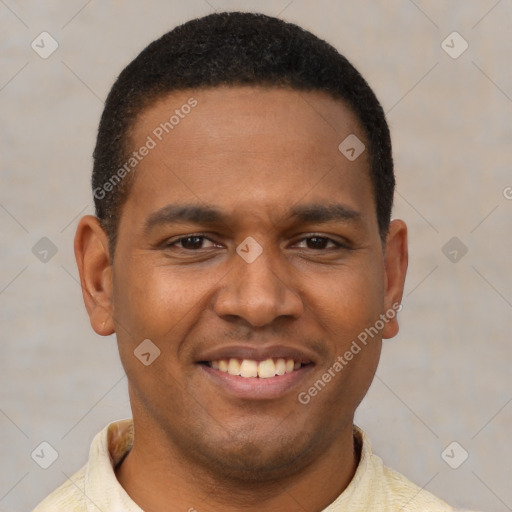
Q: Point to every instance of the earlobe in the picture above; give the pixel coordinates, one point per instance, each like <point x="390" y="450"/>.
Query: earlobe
<point x="93" y="261"/>
<point x="395" y="262"/>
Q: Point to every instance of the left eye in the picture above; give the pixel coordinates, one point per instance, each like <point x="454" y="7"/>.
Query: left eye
<point x="319" y="242"/>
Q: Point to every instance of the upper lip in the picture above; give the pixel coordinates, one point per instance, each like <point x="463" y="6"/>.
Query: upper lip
<point x="259" y="353"/>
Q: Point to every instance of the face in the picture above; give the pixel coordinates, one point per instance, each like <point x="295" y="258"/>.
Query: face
<point x="249" y="243"/>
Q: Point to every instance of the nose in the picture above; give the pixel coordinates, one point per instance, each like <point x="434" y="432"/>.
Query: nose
<point x="258" y="292"/>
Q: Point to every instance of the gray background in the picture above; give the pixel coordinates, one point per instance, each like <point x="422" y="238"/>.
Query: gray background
<point x="446" y="376"/>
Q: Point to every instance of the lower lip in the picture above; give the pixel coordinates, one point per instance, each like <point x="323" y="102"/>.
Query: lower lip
<point x="255" y="388"/>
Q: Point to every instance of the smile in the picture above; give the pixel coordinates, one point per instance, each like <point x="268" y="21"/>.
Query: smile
<point x="249" y="379"/>
<point x="250" y="368"/>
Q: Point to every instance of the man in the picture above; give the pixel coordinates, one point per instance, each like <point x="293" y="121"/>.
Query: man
<point x="243" y="254"/>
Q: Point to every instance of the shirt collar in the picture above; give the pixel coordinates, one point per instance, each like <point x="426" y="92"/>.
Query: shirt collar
<point x="114" y="442"/>
<point x="102" y="488"/>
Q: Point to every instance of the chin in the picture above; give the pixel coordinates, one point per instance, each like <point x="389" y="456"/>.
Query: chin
<point x="248" y="458"/>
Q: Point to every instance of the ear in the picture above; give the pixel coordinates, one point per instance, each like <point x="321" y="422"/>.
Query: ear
<point x="93" y="260"/>
<point x="395" y="267"/>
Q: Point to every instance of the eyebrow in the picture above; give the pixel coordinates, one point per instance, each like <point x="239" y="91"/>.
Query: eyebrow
<point x="209" y="215"/>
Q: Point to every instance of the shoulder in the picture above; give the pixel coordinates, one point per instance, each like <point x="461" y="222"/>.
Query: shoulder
<point x="387" y="489"/>
<point x="69" y="496"/>
<point x="86" y="489"/>
<point x="406" y="495"/>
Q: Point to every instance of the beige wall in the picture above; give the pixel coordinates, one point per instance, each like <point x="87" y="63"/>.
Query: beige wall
<point x="446" y="377"/>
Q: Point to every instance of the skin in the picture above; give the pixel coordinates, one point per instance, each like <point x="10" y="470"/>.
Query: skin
<point x="252" y="153"/>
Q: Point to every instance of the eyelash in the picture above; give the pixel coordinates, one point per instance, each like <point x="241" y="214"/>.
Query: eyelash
<point x="337" y="245"/>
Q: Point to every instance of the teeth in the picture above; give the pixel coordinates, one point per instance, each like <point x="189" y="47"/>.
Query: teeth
<point x="280" y="366"/>
<point x="266" y="369"/>
<point x="250" y="368"/>
<point x="234" y="367"/>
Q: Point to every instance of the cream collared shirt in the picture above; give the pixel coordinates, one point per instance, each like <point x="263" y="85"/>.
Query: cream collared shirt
<point x="95" y="487"/>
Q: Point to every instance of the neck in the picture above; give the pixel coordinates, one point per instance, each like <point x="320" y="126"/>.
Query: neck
<point x="155" y="474"/>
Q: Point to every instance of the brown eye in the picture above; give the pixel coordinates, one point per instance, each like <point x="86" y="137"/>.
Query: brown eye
<point x="190" y="243"/>
<point x="319" y="242"/>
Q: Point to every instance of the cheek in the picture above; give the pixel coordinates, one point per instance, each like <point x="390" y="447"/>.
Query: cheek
<point x="348" y="300"/>
<point x="348" y="308"/>
<point x="146" y="297"/>
<point x="158" y="302"/>
<point x="151" y="304"/>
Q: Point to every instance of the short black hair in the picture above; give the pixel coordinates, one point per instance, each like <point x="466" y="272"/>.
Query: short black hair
<point x="233" y="48"/>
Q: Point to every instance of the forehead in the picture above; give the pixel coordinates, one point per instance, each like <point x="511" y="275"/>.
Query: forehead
<point x="248" y="110"/>
<point x="254" y="147"/>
